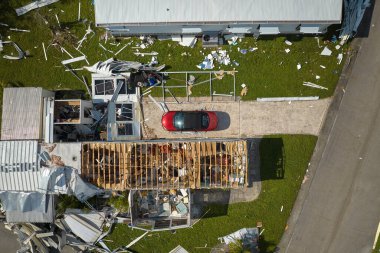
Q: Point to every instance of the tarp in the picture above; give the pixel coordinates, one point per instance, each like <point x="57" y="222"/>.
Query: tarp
<point x="66" y="180"/>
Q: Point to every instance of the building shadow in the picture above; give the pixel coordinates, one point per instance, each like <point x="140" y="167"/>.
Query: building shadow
<point x="272" y="159"/>
<point x="224" y="120"/>
<point x="209" y="203"/>
<point x="70" y="94"/>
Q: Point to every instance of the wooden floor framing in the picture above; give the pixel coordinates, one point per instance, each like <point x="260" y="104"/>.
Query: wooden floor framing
<point x="165" y="165"/>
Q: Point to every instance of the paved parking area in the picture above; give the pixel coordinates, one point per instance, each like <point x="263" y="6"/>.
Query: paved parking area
<point x="246" y="119"/>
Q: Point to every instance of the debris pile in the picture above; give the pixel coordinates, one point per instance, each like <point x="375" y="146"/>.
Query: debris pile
<point x="75" y="228"/>
<point x="219" y="55"/>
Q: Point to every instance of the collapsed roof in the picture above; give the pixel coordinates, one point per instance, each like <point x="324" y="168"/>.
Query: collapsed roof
<point x="165" y="165"/>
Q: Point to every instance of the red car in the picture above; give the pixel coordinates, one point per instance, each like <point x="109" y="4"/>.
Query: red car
<point x="189" y="121"/>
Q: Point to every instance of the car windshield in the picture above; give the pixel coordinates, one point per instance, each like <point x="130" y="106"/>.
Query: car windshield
<point x="191" y="120"/>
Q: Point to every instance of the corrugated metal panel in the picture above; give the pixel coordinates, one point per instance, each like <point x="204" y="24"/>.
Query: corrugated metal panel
<point x="309" y="29"/>
<point x="22" y="114"/>
<point x="268" y="29"/>
<point x="19" y="166"/>
<point x="169" y="11"/>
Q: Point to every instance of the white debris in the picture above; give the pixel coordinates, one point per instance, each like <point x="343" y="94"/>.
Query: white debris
<point x="313" y="85"/>
<point x="185" y="40"/>
<point x="340" y="58"/>
<point x="337" y="47"/>
<point x="243" y="85"/>
<point x="322" y="66"/>
<point x="287" y="50"/>
<point x="317" y="77"/>
<point x="282" y="208"/>
<point x="298" y="66"/>
<point x="287" y="42"/>
<point x="252" y="49"/>
<point x="326" y="51"/>
<point x="153" y="61"/>
<point x="33" y="5"/>
<point x="43" y="47"/>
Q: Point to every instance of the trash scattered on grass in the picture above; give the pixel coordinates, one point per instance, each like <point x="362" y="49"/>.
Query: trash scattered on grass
<point x="287" y="50"/>
<point x="244" y="91"/>
<point x="282" y="208"/>
<point x="231" y="39"/>
<point x="313" y="85"/>
<point x="326" y="51"/>
<point x="340" y="58"/>
<point x="337" y="47"/>
<point x="317" y="77"/>
<point x="142" y="54"/>
<point x="252" y="49"/>
<point x="43" y="47"/>
<point x="322" y="66"/>
<point x="21" y="53"/>
<point x="33" y="5"/>
<point x="19" y="30"/>
<point x="298" y="66"/>
<point x="287" y="42"/>
<point x="88" y="31"/>
<point x="243" y="51"/>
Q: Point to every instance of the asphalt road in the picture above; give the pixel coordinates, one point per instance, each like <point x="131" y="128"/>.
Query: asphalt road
<point x="340" y="211"/>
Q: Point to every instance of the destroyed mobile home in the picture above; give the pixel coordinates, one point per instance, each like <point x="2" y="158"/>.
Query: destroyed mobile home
<point x="86" y="148"/>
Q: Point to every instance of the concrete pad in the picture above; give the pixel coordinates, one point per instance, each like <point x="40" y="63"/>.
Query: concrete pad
<point x="246" y="118"/>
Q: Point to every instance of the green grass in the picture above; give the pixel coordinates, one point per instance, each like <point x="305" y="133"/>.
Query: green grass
<point x="377" y="248"/>
<point x="284" y="160"/>
<point x="268" y="72"/>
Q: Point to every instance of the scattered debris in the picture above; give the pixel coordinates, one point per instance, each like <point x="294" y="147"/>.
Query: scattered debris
<point x="179" y="249"/>
<point x="337" y="47"/>
<point x="287" y="42"/>
<point x="33" y="5"/>
<point x="249" y="238"/>
<point x="243" y="51"/>
<point x="340" y="58"/>
<point x="231" y="39"/>
<point x="88" y="31"/>
<point x="287" y="50"/>
<point x="21" y="54"/>
<point x="111" y="67"/>
<point x="121" y="49"/>
<point x="143" y="54"/>
<point x="79" y="10"/>
<point x="313" y="85"/>
<point x="43" y="47"/>
<point x="282" y="208"/>
<point x="298" y="66"/>
<point x="19" y="30"/>
<point x="56" y="17"/>
<point x="244" y="91"/>
<point x="252" y="49"/>
<point x="326" y="51"/>
<point x="105" y="49"/>
<point x="188" y="41"/>
<point x="317" y="77"/>
<point x="322" y="66"/>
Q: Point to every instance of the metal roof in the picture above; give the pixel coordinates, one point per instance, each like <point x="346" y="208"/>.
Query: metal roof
<point x="19" y="166"/>
<point x="224" y="11"/>
<point x="22" y="114"/>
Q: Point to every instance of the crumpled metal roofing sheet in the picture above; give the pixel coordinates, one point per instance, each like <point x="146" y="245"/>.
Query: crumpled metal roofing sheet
<point x="19" y="166"/>
<point x="22" y="110"/>
<point x="171" y="11"/>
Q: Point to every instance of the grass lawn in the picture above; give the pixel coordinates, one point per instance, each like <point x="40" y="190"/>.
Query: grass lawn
<point x="284" y="160"/>
<point x="268" y="71"/>
<point x="377" y="248"/>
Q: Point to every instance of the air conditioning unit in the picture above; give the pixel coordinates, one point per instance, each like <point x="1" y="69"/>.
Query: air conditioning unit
<point x="210" y="40"/>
